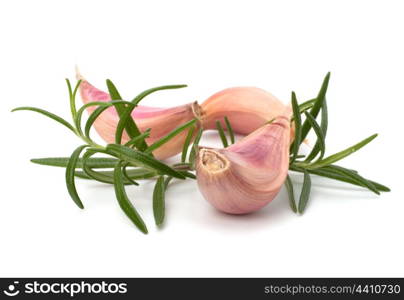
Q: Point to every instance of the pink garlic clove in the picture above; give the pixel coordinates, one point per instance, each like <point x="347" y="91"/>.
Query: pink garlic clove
<point x="160" y="120"/>
<point x="247" y="108"/>
<point x="249" y="174"/>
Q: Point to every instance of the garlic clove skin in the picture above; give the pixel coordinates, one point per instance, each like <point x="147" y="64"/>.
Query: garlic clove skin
<point x="248" y="175"/>
<point x="160" y="120"/>
<point x="247" y="108"/>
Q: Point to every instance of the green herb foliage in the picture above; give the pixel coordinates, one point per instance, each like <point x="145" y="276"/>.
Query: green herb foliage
<point x="121" y="164"/>
<point x="314" y="163"/>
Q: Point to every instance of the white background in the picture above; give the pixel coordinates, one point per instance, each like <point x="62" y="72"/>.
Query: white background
<point x="210" y="45"/>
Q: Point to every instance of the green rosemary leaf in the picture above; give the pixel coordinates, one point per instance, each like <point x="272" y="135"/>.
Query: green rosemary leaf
<point x="229" y="130"/>
<point x="141" y="173"/>
<point x="126" y="114"/>
<point x="354" y="176"/>
<point x="340" y="155"/>
<point x="131" y="127"/>
<point x="187" y="174"/>
<point x="380" y="187"/>
<point x="113" y="91"/>
<point x="291" y="195"/>
<point x="186" y="144"/>
<point x="81" y="175"/>
<point x="192" y="154"/>
<point x="298" y="128"/>
<point x="97" y="112"/>
<point x="145" y="93"/>
<point x="98" y="176"/>
<point x="70" y="168"/>
<point x="305" y="194"/>
<point x="139" y="158"/>
<point x="123" y="121"/>
<point x="69" y="88"/>
<point x="167" y="182"/>
<point x="169" y="136"/>
<point x="76" y="88"/>
<point x="71" y="99"/>
<point x="182" y="166"/>
<point x="126" y="175"/>
<point x="91" y="119"/>
<point x="158" y="201"/>
<point x="324" y="126"/>
<point x="340" y="177"/>
<point x="124" y="201"/>
<point x="307" y="105"/>
<point x="48" y="114"/>
<point x="143" y="136"/>
<point x="134" y="174"/>
<point x="221" y="134"/>
<point x="319" y="132"/>
<point x="94" y="162"/>
<point x="316" y="106"/>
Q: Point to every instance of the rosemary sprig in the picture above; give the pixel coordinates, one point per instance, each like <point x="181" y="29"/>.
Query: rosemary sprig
<point x="320" y="166"/>
<point x="127" y="164"/>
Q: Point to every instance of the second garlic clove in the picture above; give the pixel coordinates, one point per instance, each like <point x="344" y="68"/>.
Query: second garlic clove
<point x="249" y="174"/>
<point x="161" y="120"/>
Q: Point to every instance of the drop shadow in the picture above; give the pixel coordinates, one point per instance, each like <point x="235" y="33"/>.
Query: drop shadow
<point x="276" y="212"/>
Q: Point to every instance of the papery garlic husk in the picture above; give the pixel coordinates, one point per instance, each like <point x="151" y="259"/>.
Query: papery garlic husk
<point x="249" y="174"/>
<point x="161" y="120"/>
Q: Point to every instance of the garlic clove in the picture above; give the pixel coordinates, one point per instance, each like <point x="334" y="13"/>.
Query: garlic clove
<point x="160" y="120"/>
<point x="247" y="108"/>
<point x="249" y="174"/>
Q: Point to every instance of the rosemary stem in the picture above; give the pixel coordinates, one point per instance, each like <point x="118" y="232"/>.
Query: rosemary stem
<point x="87" y="140"/>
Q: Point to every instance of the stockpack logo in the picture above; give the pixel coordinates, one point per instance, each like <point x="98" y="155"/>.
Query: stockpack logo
<point x="12" y="289"/>
<point x="64" y="288"/>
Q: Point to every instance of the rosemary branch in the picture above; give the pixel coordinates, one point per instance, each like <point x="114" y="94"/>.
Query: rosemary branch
<point x="128" y="162"/>
<point x="314" y="163"/>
